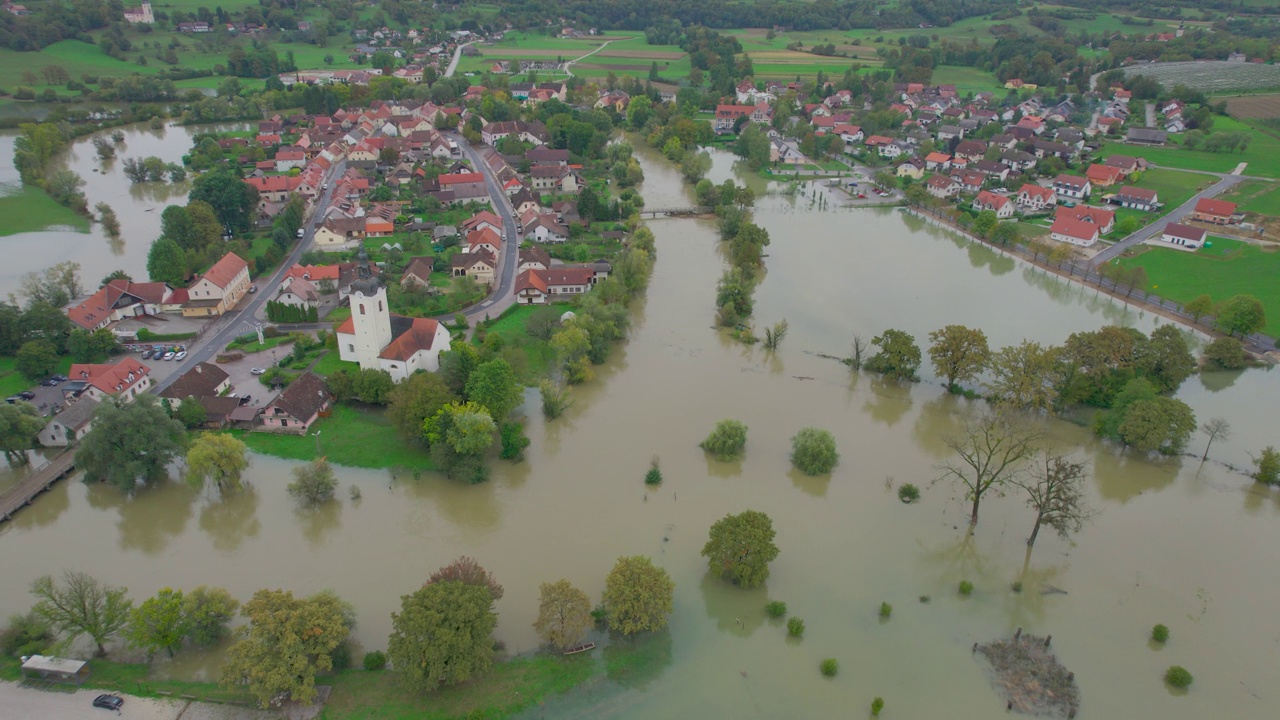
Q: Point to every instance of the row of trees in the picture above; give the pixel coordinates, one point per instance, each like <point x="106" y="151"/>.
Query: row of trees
<point x="286" y="313"/>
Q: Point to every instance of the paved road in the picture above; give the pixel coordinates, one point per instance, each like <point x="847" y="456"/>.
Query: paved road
<point x="243" y="319"/>
<point x="584" y="57"/>
<point x="1151" y="115"/>
<point x="453" y="64"/>
<point x="504" y="292"/>
<point x="1158" y="226"/>
<point x="19" y="702"/>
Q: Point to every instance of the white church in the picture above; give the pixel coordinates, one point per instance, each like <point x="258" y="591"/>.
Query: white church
<point x="376" y="338"/>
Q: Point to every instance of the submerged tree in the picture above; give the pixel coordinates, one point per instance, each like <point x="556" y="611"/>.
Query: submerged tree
<point x="129" y="441"/>
<point x="958" y="353"/>
<point x="1055" y="490"/>
<point x="158" y="623"/>
<point x="1217" y="429"/>
<point x="741" y="547"/>
<point x="469" y="572"/>
<point x="564" y="614"/>
<point x="82" y="605"/>
<point x="988" y="452"/>
<point x="727" y="441"/>
<point x="637" y="595"/>
<point x="217" y="459"/>
<point x="313" y="483"/>
<point x="442" y="635"/>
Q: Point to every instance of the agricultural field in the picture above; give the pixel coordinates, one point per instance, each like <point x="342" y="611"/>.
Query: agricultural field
<point x="1228" y="267"/>
<point x="1256" y="196"/>
<point x="1262" y="156"/>
<point x="1211" y="76"/>
<point x="966" y="79"/>
<point x="1253" y="106"/>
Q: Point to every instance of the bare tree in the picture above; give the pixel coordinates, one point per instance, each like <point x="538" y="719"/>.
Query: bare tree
<point x="988" y="453"/>
<point x="1055" y="490"/>
<point x="859" y="348"/>
<point x="1217" y="429"/>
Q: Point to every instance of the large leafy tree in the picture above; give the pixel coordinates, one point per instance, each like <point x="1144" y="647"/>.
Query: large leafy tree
<point x="158" y="623"/>
<point x="232" y="199"/>
<point x="313" y="483"/>
<point x="91" y="347"/>
<point x="727" y="441"/>
<point x="207" y="611"/>
<point x="20" y="423"/>
<point x="564" y="614"/>
<point x="1241" y="315"/>
<point x="637" y="595"/>
<point x="129" y="441"/>
<point x="741" y="547"/>
<point x="82" y="605"/>
<point x="459" y="434"/>
<point x="442" y="635"/>
<point x="36" y="359"/>
<point x="166" y="262"/>
<point x="495" y="386"/>
<point x="217" y="459"/>
<point x="415" y="400"/>
<point x="1162" y="424"/>
<point x="1167" y="360"/>
<point x="287" y="641"/>
<point x="469" y="572"/>
<point x="958" y="353"/>
<point x="1026" y="376"/>
<point x="898" y="355"/>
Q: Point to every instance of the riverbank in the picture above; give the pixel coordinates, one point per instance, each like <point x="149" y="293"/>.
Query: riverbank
<point x="354" y="436"/>
<point x="32" y="210"/>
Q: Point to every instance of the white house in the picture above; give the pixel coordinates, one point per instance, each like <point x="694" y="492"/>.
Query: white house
<point x="1183" y="237"/>
<point x="376" y="338"/>
<point x="69" y="425"/>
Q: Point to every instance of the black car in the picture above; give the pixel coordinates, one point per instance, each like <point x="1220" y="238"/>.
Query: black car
<point x="59" y="378"/>
<point x="49" y="382"/>
<point x="110" y="702"/>
<point x="27" y="395"/>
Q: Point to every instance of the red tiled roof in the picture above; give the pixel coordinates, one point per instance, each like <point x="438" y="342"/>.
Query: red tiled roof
<point x="471" y="177"/>
<point x="1102" y="173"/>
<point x="110" y="378"/>
<point x="226" y="270"/>
<point x="1072" y="180"/>
<point x="485" y="216"/>
<point x="1209" y="206"/>
<point x="484" y="235"/>
<point x="419" y="336"/>
<point x="1044" y="192"/>
<point x="1072" y="227"/>
<point x="275" y="183"/>
<point x="315" y="273"/>
<point x="90" y="313"/>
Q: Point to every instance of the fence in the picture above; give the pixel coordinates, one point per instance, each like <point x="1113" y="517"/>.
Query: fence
<point x="1086" y="274"/>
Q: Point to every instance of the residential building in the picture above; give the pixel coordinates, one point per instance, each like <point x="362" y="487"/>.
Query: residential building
<point x="941" y="186"/>
<point x="117" y="300"/>
<point x="299" y="405"/>
<point x="1102" y="175"/>
<point x="1034" y="198"/>
<point x="727" y="116"/>
<point x="1104" y="220"/>
<point x="201" y="380"/>
<point x="937" y="161"/>
<point x="1146" y="136"/>
<point x="418" y="272"/>
<point x="1076" y="232"/>
<point x="1072" y="186"/>
<point x="219" y="289"/>
<point x="912" y="168"/>
<point x="1218" y="212"/>
<point x="539" y="287"/>
<point x="70" y="425"/>
<point x="1001" y="204"/>
<point x="124" y="379"/>
<point x="1136" y="198"/>
<point x="1183" y="237"/>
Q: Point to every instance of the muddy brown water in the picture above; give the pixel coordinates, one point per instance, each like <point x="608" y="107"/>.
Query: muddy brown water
<point x="1174" y="543"/>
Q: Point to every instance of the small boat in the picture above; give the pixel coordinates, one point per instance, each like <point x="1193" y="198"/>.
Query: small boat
<point x="580" y="648"/>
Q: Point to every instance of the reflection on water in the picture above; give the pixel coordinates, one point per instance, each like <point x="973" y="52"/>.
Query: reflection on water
<point x="1169" y="533"/>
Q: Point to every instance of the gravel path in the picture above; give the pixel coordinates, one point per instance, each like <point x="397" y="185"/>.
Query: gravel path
<point x="19" y="702"/>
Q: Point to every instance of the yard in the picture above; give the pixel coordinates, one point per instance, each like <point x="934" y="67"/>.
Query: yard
<point x="31" y="209"/>
<point x="1173" y="186"/>
<point x="1228" y="268"/>
<point x="355" y="437"/>
<point x="1256" y="196"/>
<point x="1262" y="155"/>
<point x="538" y="353"/>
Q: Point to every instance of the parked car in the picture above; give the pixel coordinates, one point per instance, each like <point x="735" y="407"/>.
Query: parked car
<point x="256" y="371"/>
<point x="49" y="382"/>
<point x="253" y="289"/>
<point x="12" y="399"/>
<point x="182" y="355"/>
<point x="108" y="702"/>
<point x="245" y="400"/>
<point x="27" y="395"/>
<point x="59" y="378"/>
<point x="146" y="354"/>
<point x="169" y="355"/>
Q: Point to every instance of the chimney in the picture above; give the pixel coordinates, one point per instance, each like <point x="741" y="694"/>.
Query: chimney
<point x="199" y="369"/>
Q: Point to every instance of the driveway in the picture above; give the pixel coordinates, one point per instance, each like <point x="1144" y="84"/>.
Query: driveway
<point x="20" y="702"/>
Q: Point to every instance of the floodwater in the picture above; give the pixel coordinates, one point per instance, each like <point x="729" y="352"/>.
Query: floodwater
<point x="1174" y="542"/>
<point x="138" y="207"/>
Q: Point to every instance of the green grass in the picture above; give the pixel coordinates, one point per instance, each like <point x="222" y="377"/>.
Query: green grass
<point x="352" y="436"/>
<point x="1256" y="196"/>
<point x="12" y="381"/>
<point x="538" y="353"/>
<point x="31" y="210"/>
<point x="1174" y="187"/>
<point x="966" y="79"/>
<point x="135" y="679"/>
<point x="1228" y="268"/>
<point x="252" y="346"/>
<point x="332" y="362"/>
<point x="509" y="688"/>
<point x="1263" y="154"/>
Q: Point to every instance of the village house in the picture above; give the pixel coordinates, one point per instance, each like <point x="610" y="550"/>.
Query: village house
<point x="1183" y="237"/>
<point x="543" y="228"/>
<point x="970" y="151"/>
<point x="219" y="289"/>
<point x="483" y="219"/>
<point x="70" y="425"/>
<point x="117" y="300"/>
<point x="478" y="266"/>
<point x="486" y="239"/>
<point x="338" y="233"/>
<point x="1104" y="220"/>
<point x="461" y="188"/>
<point x="1125" y="164"/>
<point x="533" y="258"/>
<point x="1072" y="186"/>
<point x="1074" y="231"/>
<point x="124" y="380"/>
<point x="912" y="167"/>
<point x="530" y="132"/>
<point x="937" y="161"/>
<point x="727" y="116"/>
<point x="1218" y="212"/>
<point x="288" y="158"/>
<point x="201" y="380"/>
<point x="298" y="405"/>
<point x="1001" y="204"/>
<point x="941" y="186"/>
<point x="274" y="188"/>
<point x="997" y="171"/>
<point x="539" y="287"/>
<point x="1136" y="198"/>
<point x="417" y="274"/>
<point x="1102" y="175"/>
<point x="1034" y="198"/>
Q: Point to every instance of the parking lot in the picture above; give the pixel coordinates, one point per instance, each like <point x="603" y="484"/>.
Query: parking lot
<point x="20" y="702"/>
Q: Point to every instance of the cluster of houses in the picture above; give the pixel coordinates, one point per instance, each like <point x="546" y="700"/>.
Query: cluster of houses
<point x="211" y="294"/>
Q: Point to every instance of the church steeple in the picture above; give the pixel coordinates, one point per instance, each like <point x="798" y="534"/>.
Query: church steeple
<point x="366" y="282"/>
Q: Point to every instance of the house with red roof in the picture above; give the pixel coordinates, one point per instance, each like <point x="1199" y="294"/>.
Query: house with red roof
<point x="274" y="188"/>
<point x="1034" y="198"/>
<point x="727" y="116"/>
<point x="1105" y="220"/>
<point x="539" y="287"/>
<point x="1074" y="231"/>
<point x="1103" y="175"/>
<point x="483" y="219"/>
<point x="1001" y="204"/>
<point x="937" y="161"/>
<point x="117" y="300"/>
<point x="941" y="186"/>
<point x="1218" y="212"/>
<point x="1183" y="237"/>
<point x="124" y="379"/>
<point x="1072" y="186"/>
<point x="219" y="289"/>
<point x="288" y="158"/>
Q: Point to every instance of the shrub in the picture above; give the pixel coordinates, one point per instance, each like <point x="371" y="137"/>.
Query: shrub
<point x="795" y="627"/>
<point x="341" y="656"/>
<point x="830" y="667"/>
<point x="1016" y="586"/>
<point x="1267" y="466"/>
<point x="375" y="660"/>
<point x="966" y="587"/>
<point x="654" y="476"/>
<point x="775" y="609"/>
<point x="727" y="441"/>
<point x="908" y="493"/>
<point x="1177" y="676"/>
<point x="1160" y="633"/>
<point x="25" y="635"/>
<point x="885" y="610"/>
<point x="813" y="451"/>
<point x="876" y="706"/>
<point x="924" y="598"/>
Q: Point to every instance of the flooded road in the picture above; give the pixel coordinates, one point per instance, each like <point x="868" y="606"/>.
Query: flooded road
<point x="1175" y="543"/>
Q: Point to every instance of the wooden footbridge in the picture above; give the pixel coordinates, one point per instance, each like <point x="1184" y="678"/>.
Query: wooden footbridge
<point x="36" y="482"/>
<point x="675" y="211"/>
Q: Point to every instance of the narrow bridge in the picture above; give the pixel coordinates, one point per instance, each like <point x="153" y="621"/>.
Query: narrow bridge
<point x="675" y="211"/>
<point x="39" y="480"/>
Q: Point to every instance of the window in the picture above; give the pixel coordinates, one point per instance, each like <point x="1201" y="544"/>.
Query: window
<point x="379" y="306"/>
<point x="351" y="347"/>
<point x="361" y="308"/>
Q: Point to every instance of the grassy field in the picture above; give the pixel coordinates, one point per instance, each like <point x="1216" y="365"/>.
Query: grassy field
<point x="1228" y="268"/>
<point x="31" y="209"/>
<point x="1173" y="186"/>
<point x="351" y="436"/>
<point x="135" y="679"/>
<point x="1256" y="196"/>
<point x="1263" y="154"/>
<point x="966" y="79"/>
<point x="538" y="353"/>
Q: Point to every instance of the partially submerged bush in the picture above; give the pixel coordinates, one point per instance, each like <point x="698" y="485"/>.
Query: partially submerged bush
<point x="908" y="493"/>
<point x="885" y="610"/>
<point x="1177" y="676"/>
<point x="830" y="667"/>
<point x="1160" y="633"/>
<point x="966" y="587"/>
<point x="775" y="609"/>
<point x="795" y="627"/>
